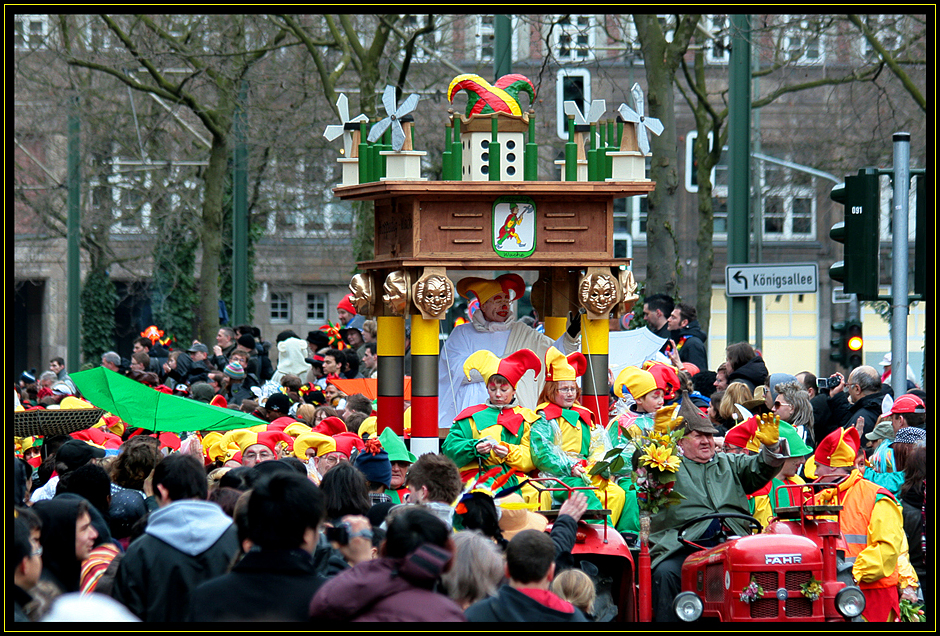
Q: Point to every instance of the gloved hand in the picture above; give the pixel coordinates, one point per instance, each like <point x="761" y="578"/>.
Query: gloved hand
<point x="633" y="431"/>
<point x="663" y="421"/>
<point x="574" y="324"/>
<point x="768" y="429"/>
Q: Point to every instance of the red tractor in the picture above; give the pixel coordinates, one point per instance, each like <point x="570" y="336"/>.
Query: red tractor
<point x="789" y="573"/>
<point x="798" y="547"/>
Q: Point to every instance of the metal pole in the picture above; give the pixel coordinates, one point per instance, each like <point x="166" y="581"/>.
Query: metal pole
<point x="240" y="214"/>
<point x="899" y="246"/>
<point x="74" y="224"/>
<point x="502" y="47"/>
<point x="758" y="207"/>
<point x="739" y="87"/>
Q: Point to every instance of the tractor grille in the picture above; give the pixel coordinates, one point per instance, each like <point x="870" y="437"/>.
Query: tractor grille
<point x="798" y="606"/>
<point x="767" y="607"/>
<point x="714" y="583"/>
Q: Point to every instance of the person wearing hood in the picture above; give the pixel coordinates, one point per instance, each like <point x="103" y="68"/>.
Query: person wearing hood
<point x="291" y="358"/>
<point x="745" y="365"/>
<point x="688" y="335"/>
<point x="67" y="538"/>
<point x="277" y="577"/>
<point x="188" y="540"/>
<point x="402" y="585"/>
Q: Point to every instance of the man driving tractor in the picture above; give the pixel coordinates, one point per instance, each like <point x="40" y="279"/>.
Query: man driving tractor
<point x="709" y="483"/>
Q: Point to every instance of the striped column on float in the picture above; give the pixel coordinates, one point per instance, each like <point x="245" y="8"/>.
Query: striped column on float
<point x="390" y="347"/>
<point x="555" y="326"/>
<point x="594" y="387"/>
<point x="425" y="349"/>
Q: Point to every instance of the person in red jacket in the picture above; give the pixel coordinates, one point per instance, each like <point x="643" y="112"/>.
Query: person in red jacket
<point x="400" y="585"/>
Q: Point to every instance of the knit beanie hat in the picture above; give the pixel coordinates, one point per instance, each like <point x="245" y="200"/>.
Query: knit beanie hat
<point x="247" y="341"/>
<point x="234" y="370"/>
<point x="373" y="462"/>
<point x="346" y="303"/>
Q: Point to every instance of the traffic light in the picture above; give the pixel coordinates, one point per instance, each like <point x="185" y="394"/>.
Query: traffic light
<point x="853" y="344"/>
<point x="837" y="350"/>
<point x="859" y="232"/>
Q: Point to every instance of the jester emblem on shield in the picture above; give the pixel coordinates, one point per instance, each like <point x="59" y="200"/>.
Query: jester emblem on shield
<point x="514" y="226"/>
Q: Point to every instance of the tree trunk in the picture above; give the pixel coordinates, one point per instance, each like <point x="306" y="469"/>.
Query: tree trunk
<point x="210" y="235"/>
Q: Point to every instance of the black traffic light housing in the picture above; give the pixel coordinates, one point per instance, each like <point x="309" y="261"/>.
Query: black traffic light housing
<point x="853" y="344"/>
<point x="859" y="232"/>
<point x="838" y="352"/>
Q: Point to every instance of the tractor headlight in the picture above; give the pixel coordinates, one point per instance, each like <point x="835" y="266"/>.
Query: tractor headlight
<point x="850" y="602"/>
<point x="687" y="606"/>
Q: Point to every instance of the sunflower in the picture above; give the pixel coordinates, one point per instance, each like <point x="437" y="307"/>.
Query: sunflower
<point x="660" y="457"/>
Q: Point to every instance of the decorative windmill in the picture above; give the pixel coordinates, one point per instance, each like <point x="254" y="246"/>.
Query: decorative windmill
<point x="640" y="123"/>
<point x="402" y="162"/>
<point x="629" y="164"/>
<point x="349" y="129"/>
<point x="582" y="126"/>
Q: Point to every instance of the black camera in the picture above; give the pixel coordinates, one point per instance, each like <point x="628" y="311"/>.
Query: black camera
<point x="828" y="383"/>
<point x="338" y="533"/>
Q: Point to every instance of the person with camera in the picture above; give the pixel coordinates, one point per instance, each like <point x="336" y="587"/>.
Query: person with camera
<point x="819" y="390"/>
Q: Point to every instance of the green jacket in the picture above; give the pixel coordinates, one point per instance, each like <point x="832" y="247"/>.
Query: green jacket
<point x="720" y="485"/>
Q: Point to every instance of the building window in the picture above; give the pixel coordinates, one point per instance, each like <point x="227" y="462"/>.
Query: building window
<point x="887" y="30"/>
<point x="629" y="221"/>
<point x="573" y="37"/>
<point x="789" y="203"/>
<point x="280" y="307"/>
<point x="317" y="307"/>
<point x="29" y="31"/>
<point x="717" y="47"/>
<point x="485" y="38"/>
<point x="803" y="42"/>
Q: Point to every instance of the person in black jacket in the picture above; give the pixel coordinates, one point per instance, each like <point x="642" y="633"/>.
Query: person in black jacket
<point x="745" y="365"/>
<point x="187" y="541"/>
<point x="530" y="566"/>
<point x="277" y="577"/>
<point x="688" y="336"/>
<point x="863" y="397"/>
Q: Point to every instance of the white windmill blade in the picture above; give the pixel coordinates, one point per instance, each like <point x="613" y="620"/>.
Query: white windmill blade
<point x="571" y="108"/>
<point x="597" y="110"/>
<point x="646" y="123"/>
<point x="393" y="118"/>
<point x="335" y="130"/>
<point x="628" y="114"/>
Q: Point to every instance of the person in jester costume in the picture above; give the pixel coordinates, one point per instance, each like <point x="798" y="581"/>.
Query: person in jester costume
<point x="401" y="459"/>
<point x="495" y="433"/>
<point x="566" y="441"/>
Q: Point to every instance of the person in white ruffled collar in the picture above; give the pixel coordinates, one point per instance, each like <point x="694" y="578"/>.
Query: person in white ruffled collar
<point x="493" y="327"/>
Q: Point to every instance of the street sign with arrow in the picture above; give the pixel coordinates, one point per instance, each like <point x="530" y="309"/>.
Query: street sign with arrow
<point x="769" y="279"/>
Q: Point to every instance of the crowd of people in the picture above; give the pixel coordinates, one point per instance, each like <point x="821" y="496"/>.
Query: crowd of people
<point x="315" y="514"/>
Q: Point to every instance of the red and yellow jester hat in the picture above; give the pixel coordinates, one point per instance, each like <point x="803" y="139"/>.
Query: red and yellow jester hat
<point x="512" y="367"/>
<point x="838" y="449"/>
<point x="484" y="289"/>
<point x="666" y="378"/>
<point x="558" y="367"/>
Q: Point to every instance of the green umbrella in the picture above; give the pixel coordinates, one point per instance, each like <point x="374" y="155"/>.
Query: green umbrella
<point x="141" y="406"/>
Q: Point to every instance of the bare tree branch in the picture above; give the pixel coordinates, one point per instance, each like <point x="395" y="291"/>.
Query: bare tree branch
<point x="890" y="61"/>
